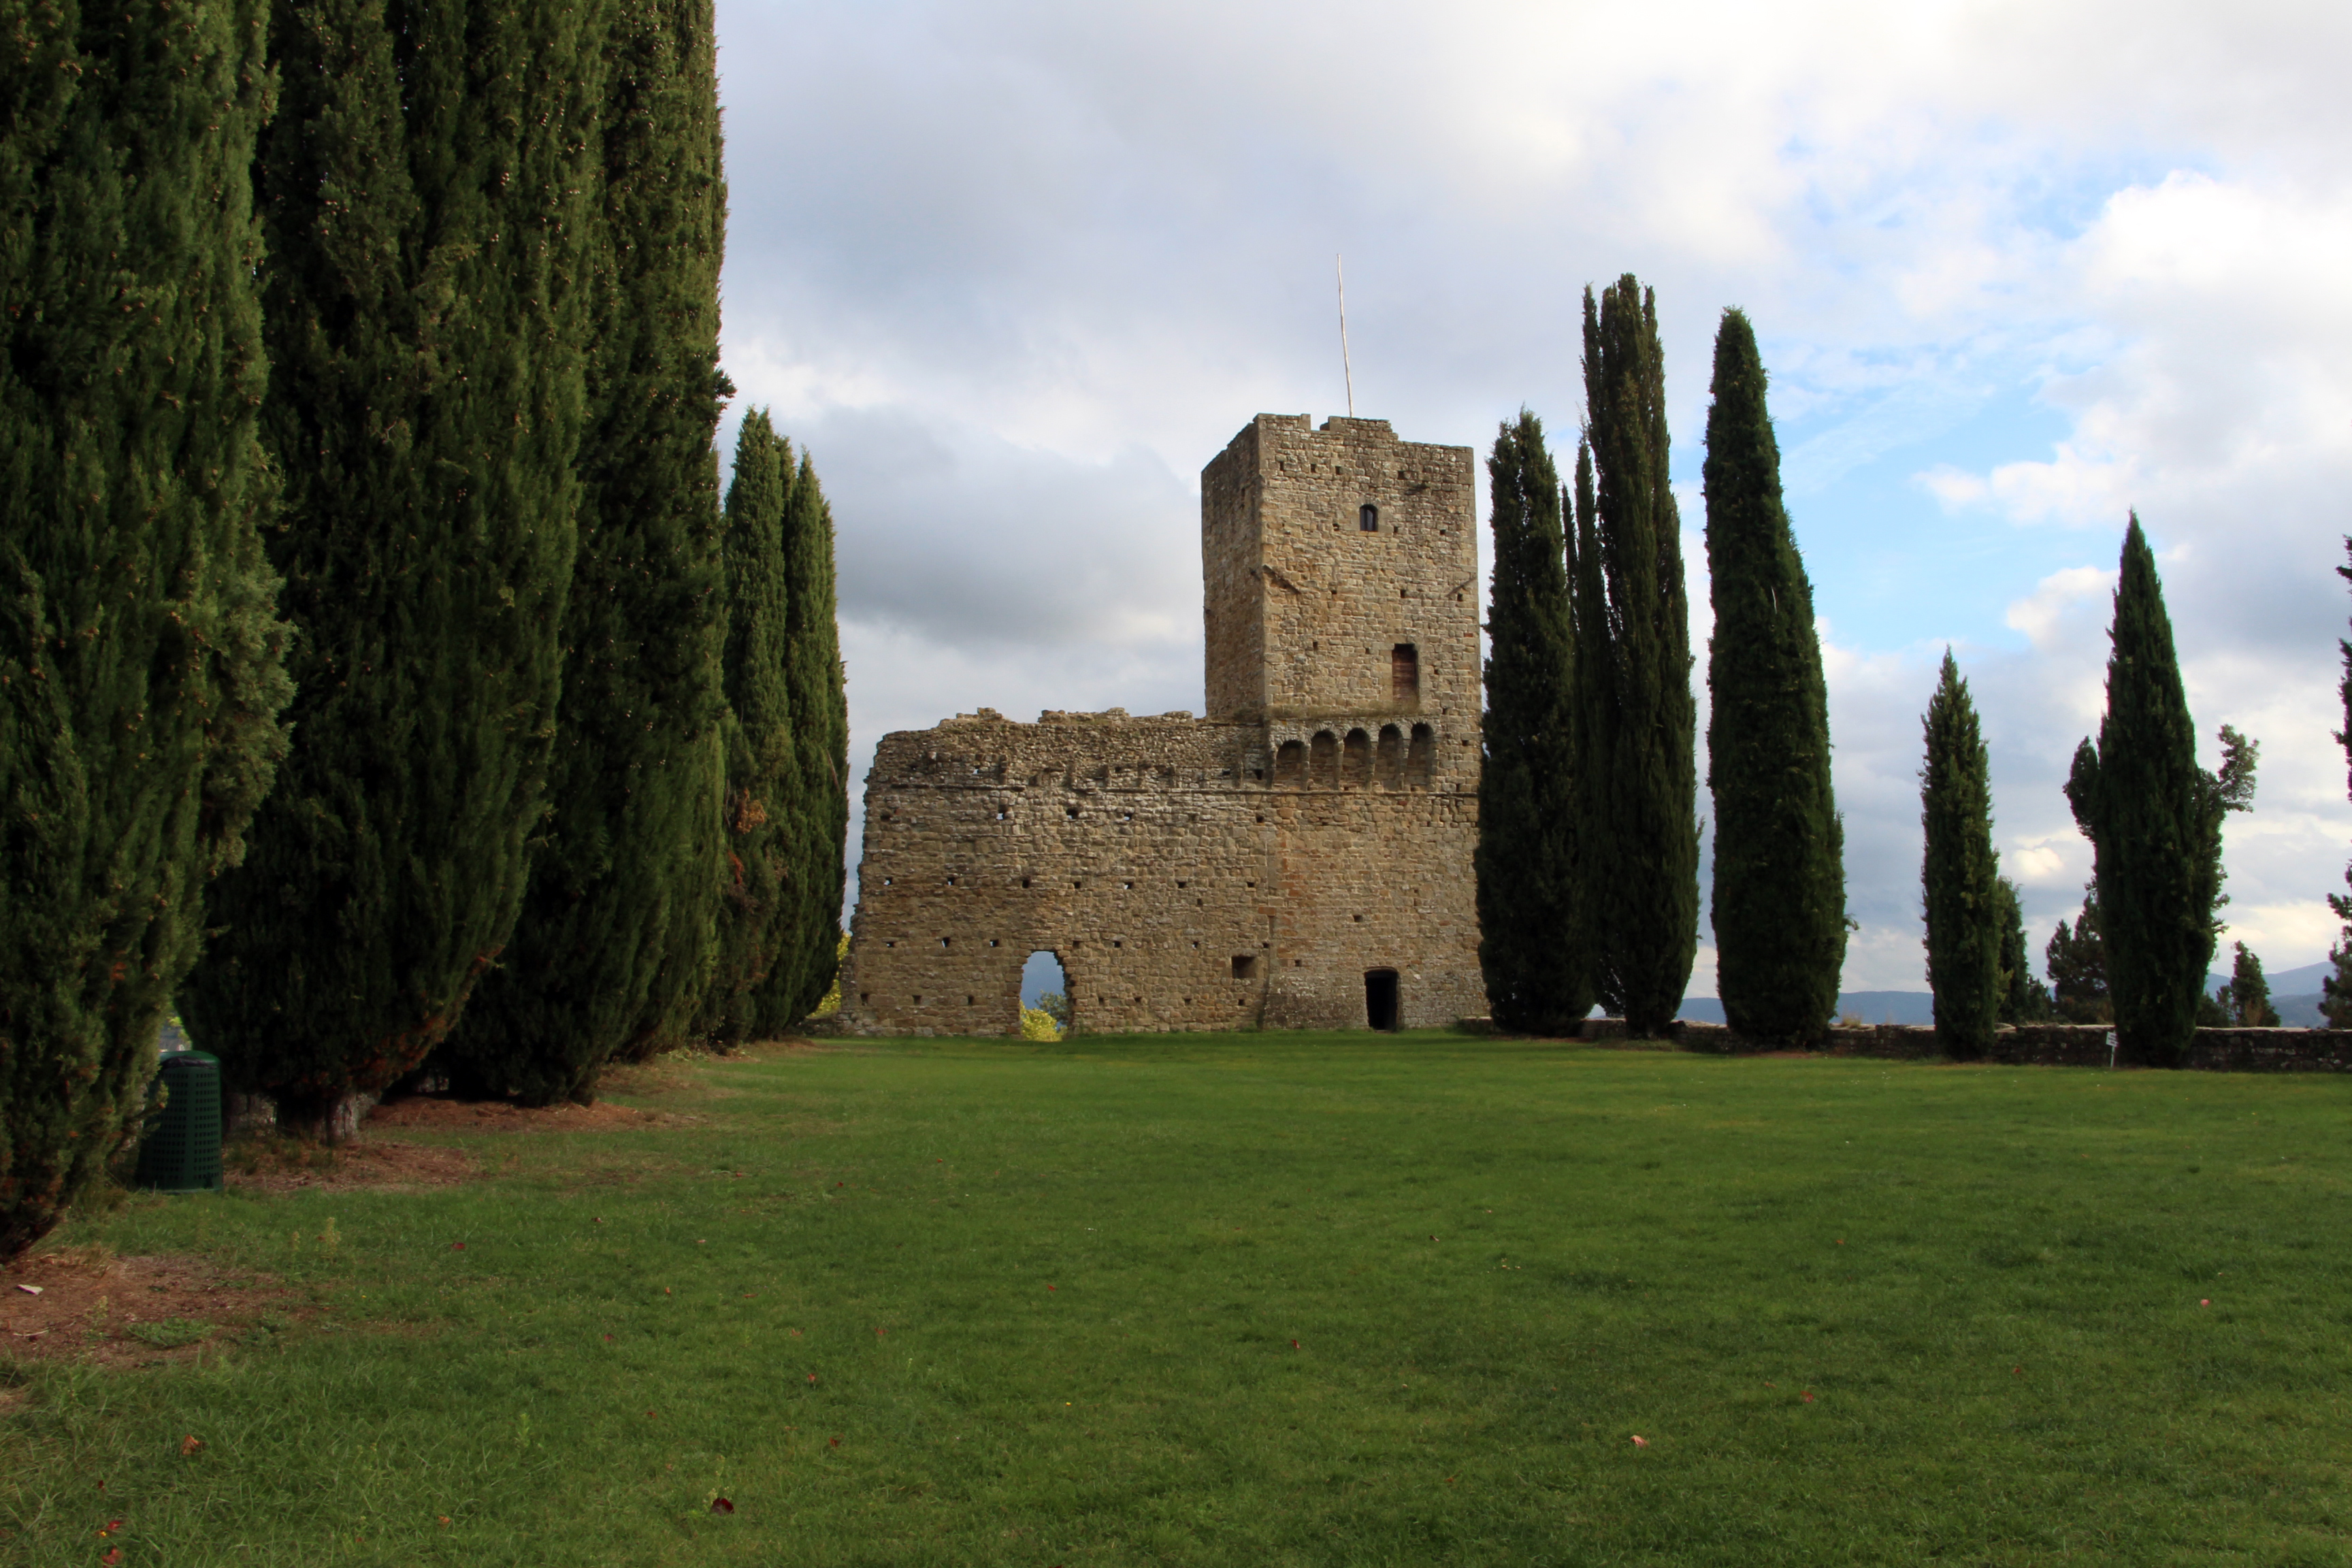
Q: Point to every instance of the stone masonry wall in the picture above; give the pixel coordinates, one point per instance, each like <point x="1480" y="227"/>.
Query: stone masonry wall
<point x="2049" y="1045"/>
<point x="1178" y="884"/>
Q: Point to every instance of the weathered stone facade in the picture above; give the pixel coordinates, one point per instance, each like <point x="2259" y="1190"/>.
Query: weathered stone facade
<point x="1299" y="857"/>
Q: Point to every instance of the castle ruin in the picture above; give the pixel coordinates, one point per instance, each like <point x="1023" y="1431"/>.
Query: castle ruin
<point x="1298" y="857"/>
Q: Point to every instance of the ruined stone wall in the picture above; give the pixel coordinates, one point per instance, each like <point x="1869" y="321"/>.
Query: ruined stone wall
<point x="1180" y="887"/>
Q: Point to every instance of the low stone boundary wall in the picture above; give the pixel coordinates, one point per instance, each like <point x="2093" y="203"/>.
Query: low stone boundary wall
<point x="2041" y="1044"/>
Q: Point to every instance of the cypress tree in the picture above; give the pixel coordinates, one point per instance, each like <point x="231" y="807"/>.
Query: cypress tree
<point x="1959" y="873"/>
<point x="1648" y="798"/>
<point x="2336" y="989"/>
<point x="1532" y="946"/>
<point x="2077" y="957"/>
<point x="2153" y="820"/>
<point x="1592" y="693"/>
<point x="2023" y="997"/>
<point x="1778" y="908"/>
<point x="140" y="657"/>
<point x="424" y="198"/>
<point x="2250" y="993"/>
<point x="615" y="938"/>
<point x="810" y="957"/>
<point x="762" y="800"/>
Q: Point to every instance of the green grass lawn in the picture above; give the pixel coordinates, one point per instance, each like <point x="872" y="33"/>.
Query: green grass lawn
<point x="1272" y="1298"/>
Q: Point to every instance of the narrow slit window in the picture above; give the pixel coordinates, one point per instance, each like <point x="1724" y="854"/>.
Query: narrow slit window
<point x="1367" y="518"/>
<point x="1405" y="673"/>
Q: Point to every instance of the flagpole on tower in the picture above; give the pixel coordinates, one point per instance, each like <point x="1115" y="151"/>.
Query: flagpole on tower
<point x="1346" y="370"/>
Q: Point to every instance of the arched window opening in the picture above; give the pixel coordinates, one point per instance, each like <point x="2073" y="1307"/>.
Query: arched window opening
<point x="1045" y="998"/>
<point x="1290" y="764"/>
<point x="1419" y="760"/>
<point x="1367" y="518"/>
<point x="1356" y="764"/>
<point x="1380" y="1008"/>
<point x="1388" y="758"/>
<point x="1325" y="771"/>
<point x="1404" y="674"/>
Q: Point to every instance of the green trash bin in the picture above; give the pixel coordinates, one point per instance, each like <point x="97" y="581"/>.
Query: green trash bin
<point x="182" y="1150"/>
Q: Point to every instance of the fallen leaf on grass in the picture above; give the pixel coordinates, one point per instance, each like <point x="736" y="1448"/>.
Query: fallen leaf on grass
<point x="457" y="1247"/>
<point x="31" y="1289"/>
<point x="1807" y="1396"/>
<point x="444" y="1519"/>
<point x="1294" y="1345"/>
<point x="2017" y="1372"/>
<point x="722" y="1505"/>
<point x="113" y="1555"/>
<point x="834" y="1444"/>
<point x="112" y="1526"/>
<point x="1640" y="1441"/>
<point x="879" y="1332"/>
<point x="2206" y="1301"/>
<point x="191" y="1443"/>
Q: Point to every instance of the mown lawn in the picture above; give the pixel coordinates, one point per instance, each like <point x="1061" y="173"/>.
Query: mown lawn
<point x="1271" y="1299"/>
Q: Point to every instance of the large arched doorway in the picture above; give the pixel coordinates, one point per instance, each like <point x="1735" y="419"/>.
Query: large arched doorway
<point x="1044" y="989"/>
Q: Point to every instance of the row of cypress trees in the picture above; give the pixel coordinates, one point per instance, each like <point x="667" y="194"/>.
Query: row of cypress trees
<point x="1587" y="855"/>
<point x="785" y="741"/>
<point x="362" y="557"/>
<point x="1588" y="848"/>
<point x="2146" y="934"/>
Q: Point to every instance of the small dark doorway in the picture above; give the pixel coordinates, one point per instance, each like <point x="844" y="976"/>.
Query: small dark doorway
<point x="1380" y="998"/>
<point x="1404" y="674"/>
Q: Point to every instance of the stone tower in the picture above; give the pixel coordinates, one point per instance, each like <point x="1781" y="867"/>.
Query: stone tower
<point x="1301" y="856"/>
<point x="1340" y="573"/>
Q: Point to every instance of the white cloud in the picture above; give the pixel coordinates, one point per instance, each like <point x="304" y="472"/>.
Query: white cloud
<point x="2041" y="612"/>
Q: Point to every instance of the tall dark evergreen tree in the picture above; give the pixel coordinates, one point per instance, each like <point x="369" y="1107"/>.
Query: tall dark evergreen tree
<point x="1647" y="799"/>
<point x="140" y="657"/>
<point x="616" y="940"/>
<point x="1778" y="908"/>
<point x="425" y="190"/>
<point x="1534" y="944"/>
<point x="2249" y="993"/>
<point x="2077" y="957"/>
<point x="1959" y="873"/>
<point x="1592" y="692"/>
<point x="2153" y="820"/>
<point x="2336" y="989"/>
<point x="763" y="800"/>
<point x="2024" y="999"/>
<point x="811" y="954"/>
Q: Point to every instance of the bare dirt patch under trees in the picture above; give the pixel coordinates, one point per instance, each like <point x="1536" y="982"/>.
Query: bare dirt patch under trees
<point x="87" y="1303"/>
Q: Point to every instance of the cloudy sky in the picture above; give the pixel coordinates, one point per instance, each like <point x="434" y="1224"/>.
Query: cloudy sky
<point x="1015" y="272"/>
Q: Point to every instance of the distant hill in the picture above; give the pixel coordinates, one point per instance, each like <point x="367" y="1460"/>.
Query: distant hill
<point x="2293" y="991"/>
